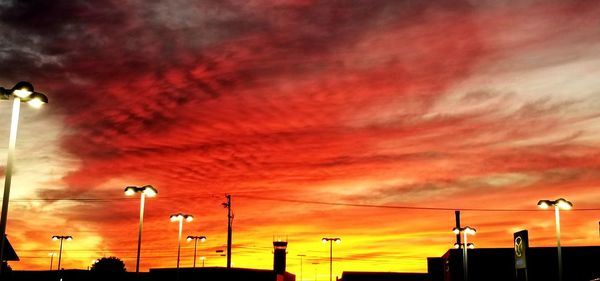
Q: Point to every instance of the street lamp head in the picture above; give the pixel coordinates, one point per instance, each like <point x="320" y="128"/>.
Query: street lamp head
<point x="188" y="218"/>
<point x="189" y="238"/>
<point x="470" y="230"/>
<point x="456" y="230"/>
<point x="130" y="190"/>
<point x="338" y="240"/>
<point x="470" y="245"/>
<point x="456" y="246"/>
<point x="176" y="217"/>
<point x="54" y="237"/>
<point x="544" y="204"/>
<point x="202" y="239"/>
<point x="324" y="240"/>
<point x="69" y="238"/>
<point x="564" y="204"/>
<point x="22" y="89"/>
<point x="37" y="100"/>
<point x="149" y="190"/>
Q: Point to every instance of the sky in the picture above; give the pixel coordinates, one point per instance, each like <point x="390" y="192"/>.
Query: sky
<point x="371" y="121"/>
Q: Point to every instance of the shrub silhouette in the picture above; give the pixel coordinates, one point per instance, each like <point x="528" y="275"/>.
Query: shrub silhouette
<point x="109" y="266"/>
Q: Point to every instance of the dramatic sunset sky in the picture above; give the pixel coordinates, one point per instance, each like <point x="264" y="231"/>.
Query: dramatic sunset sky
<point x="302" y="110"/>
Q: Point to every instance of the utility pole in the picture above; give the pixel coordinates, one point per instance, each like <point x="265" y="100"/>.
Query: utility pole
<point x="229" y="221"/>
<point x="457" y="217"/>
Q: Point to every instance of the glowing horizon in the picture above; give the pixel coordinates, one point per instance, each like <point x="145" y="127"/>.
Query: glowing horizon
<point x="371" y="121"/>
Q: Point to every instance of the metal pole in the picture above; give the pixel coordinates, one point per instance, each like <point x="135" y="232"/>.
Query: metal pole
<point x="195" y="243"/>
<point x="14" y="124"/>
<point x="556" y="212"/>
<point x="229" y="230"/>
<point x="465" y="264"/>
<point x="179" y="244"/>
<point x="51" y="260"/>
<point x="457" y="218"/>
<point x="139" y="246"/>
<point x="301" y="267"/>
<point x="59" y="254"/>
<point x="330" y="260"/>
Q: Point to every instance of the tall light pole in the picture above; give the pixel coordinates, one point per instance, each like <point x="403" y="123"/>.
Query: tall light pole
<point x="331" y="240"/>
<point x="180" y="218"/>
<point x="61" y="238"/>
<point x="558" y="204"/>
<point x="202" y="258"/>
<point x="301" y="256"/>
<point x="315" y="264"/>
<point x="229" y="228"/>
<point x="51" y="259"/>
<point x="146" y="190"/>
<point x="21" y="92"/>
<point x="196" y="238"/>
<point x="465" y="230"/>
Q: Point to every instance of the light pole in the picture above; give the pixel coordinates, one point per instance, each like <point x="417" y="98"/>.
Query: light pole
<point x="146" y="190"/>
<point x="301" y="256"/>
<point x="180" y="218"/>
<point x="465" y="230"/>
<point x="21" y="92"/>
<point x="202" y="258"/>
<point x="51" y="259"/>
<point x="315" y="264"/>
<point x="61" y="238"/>
<point x="558" y="204"/>
<point x="196" y="238"/>
<point x="331" y="240"/>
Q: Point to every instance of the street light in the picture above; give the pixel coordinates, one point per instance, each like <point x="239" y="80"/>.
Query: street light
<point x="196" y="238"/>
<point x="61" y="238"/>
<point x="331" y="240"/>
<point x="180" y="218"/>
<point x="465" y="230"/>
<point x="202" y="258"/>
<point x="51" y="255"/>
<point x="21" y="92"/>
<point x="146" y="190"/>
<point x="301" y="256"/>
<point x="558" y="204"/>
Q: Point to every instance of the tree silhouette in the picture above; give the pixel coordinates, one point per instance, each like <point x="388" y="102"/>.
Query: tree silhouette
<point x="110" y="265"/>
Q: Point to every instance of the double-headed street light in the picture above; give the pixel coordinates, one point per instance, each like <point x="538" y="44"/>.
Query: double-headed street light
<point x="146" y="190"/>
<point x="21" y="92"/>
<point x="61" y="238"/>
<point x="558" y="204"/>
<point x="180" y="218"/>
<point x="331" y="240"/>
<point x="465" y="230"/>
<point x="196" y="238"/>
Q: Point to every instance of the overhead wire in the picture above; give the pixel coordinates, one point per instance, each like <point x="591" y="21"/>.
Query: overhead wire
<point x="301" y="201"/>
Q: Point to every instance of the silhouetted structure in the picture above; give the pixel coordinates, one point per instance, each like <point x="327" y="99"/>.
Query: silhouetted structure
<point x="279" y="256"/>
<point x="75" y="275"/>
<point x="8" y="253"/>
<point x="498" y="264"/>
<point x="219" y="274"/>
<point x="383" y="276"/>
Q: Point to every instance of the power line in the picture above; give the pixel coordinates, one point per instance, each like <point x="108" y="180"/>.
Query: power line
<point x="399" y="207"/>
<point x="328" y="203"/>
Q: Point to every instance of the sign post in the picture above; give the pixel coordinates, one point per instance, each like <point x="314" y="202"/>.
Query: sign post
<point x="521" y="243"/>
